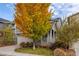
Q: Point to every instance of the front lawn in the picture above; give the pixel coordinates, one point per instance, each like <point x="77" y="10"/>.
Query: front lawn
<point x="38" y="51"/>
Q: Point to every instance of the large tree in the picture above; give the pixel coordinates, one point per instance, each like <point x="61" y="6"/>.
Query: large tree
<point x="33" y="20"/>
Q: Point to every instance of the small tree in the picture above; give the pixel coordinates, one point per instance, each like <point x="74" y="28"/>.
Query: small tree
<point x="33" y="20"/>
<point x="69" y="33"/>
<point x="8" y="35"/>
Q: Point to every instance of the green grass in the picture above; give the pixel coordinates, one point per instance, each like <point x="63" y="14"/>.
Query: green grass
<point x="37" y="51"/>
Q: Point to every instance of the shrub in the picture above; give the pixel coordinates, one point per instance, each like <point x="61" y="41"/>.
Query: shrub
<point x="29" y="44"/>
<point x="23" y="45"/>
<point x="59" y="45"/>
<point x="9" y="36"/>
<point x="44" y="45"/>
<point x="69" y="32"/>
<point x="9" y="43"/>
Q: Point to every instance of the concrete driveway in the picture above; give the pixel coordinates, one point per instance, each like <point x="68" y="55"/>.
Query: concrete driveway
<point x="9" y="51"/>
<point x="76" y="47"/>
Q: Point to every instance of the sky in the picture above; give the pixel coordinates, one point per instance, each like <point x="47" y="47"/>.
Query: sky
<point x="64" y="9"/>
<point x="59" y="10"/>
<point x="7" y="11"/>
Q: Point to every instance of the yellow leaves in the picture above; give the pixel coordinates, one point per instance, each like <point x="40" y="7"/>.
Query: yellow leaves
<point x="33" y="19"/>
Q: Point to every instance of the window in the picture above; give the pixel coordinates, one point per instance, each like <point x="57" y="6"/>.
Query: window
<point x="52" y="33"/>
<point x="45" y="38"/>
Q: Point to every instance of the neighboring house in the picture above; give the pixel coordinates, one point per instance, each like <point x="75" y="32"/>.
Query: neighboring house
<point x="73" y="17"/>
<point x="4" y="24"/>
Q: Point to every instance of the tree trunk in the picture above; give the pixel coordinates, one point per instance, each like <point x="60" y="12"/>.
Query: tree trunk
<point x="34" y="45"/>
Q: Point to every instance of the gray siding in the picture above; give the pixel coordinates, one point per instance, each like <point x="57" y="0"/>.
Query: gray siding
<point x="2" y="25"/>
<point x="21" y="39"/>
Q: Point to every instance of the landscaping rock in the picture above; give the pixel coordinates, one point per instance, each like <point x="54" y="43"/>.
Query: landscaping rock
<point x="70" y="52"/>
<point x="59" y="52"/>
<point x="64" y="52"/>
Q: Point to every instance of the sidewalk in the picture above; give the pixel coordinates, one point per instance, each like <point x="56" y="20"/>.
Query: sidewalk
<point x="9" y="51"/>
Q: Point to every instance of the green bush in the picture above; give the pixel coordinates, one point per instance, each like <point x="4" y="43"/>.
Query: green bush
<point x="59" y="45"/>
<point x="44" y="46"/>
<point x="25" y="45"/>
<point x="9" y="43"/>
<point x="29" y="44"/>
<point x="7" y="37"/>
<point x="9" y="40"/>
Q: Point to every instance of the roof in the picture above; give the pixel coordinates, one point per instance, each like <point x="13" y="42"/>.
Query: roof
<point x="56" y="19"/>
<point x="74" y="14"/>
<point x="4" y="20"/>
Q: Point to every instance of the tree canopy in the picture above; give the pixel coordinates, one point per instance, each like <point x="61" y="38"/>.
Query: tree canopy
<point x="33" y="19"/>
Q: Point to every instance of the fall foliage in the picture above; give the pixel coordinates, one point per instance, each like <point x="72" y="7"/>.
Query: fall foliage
<point x="33" y="19"/>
